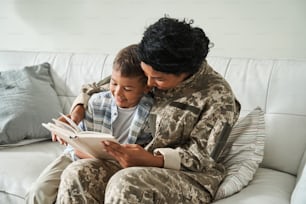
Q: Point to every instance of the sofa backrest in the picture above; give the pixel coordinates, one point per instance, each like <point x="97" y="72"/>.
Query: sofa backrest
<point x="277" y="86"/>
<point x="69" y="70"/>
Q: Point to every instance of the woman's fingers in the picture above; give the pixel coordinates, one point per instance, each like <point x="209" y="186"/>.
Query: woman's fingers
<point x="114" y="149"/>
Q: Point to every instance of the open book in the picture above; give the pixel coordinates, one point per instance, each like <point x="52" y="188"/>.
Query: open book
<point x="88" y="142"/>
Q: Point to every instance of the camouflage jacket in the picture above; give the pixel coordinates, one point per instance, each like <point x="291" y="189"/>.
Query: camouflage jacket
<point x="195" y="118"/>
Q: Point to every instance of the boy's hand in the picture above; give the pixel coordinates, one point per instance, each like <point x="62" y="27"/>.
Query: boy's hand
<point x="60" y="140"/>
<point x="76" y="115"/>
<point x="54" y="137"/>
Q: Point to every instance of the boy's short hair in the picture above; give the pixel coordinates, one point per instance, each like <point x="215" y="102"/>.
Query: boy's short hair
<point x="128" y="63"/>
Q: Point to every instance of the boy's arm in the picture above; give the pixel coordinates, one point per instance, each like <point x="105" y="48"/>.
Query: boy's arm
<point x="79" y="105"/>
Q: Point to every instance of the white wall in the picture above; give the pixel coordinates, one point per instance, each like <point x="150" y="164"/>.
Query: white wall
<point x="238" y="28"/>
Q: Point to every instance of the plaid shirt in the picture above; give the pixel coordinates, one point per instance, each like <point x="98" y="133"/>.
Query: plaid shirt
<point x="102" y="112"/>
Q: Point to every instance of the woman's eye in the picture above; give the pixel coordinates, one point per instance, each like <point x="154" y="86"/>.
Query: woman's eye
<point x="159" y="79"/>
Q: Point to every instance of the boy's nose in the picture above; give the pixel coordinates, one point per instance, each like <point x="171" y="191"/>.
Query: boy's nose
<point x="118" y="91"/>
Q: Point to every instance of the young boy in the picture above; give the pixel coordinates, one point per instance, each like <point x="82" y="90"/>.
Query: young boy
<point x="122" y="111"/>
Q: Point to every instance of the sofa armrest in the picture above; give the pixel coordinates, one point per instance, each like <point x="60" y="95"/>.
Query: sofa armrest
<point x="298" y="195"/>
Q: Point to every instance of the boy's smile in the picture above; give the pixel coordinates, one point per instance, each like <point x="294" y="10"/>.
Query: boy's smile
<point x="127" y="91"/>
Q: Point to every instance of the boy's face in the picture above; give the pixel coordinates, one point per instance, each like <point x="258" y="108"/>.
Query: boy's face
<point x="127" y="91"/>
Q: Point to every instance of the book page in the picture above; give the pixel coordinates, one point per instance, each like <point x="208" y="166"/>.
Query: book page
<point x="63" y="133"/>
<point x="92" y="141"/>
<point x="65" y="126"/>
<point x="89" y="142"/>
<point x="71" y="122"/>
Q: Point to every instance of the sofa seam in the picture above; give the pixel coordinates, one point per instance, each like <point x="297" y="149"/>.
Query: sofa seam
<point x="103" y="66"/>
<point x="269" y="85"/>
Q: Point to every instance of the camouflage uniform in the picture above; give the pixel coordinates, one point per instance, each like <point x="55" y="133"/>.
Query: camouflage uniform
<point x="192" y="121"/>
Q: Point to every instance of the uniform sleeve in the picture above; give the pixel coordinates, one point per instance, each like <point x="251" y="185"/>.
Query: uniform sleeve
<point x="171" y="158"/>
<point x="209" y="135"/>
<point x="194" y="140"/>
<point x="89" y="89"/>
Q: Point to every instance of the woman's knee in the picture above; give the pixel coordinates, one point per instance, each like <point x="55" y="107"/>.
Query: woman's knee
<point x="130" y="185"/>
<point x="127" y="177"/>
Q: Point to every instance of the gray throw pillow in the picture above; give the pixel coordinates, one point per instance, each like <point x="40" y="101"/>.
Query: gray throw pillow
<point x="27" y="99"/>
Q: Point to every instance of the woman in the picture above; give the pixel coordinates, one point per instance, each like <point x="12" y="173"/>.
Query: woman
<point x="193" y="113"/>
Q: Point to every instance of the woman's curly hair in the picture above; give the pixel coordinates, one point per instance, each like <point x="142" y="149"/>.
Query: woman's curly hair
<point x="173" y="46"/>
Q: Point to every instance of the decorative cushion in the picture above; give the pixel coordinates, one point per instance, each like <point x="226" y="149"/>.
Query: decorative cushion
<point x="27" y="99"/>
<point x="243" y="153"/>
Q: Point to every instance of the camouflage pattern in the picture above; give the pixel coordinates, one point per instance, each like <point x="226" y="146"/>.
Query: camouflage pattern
<point x="194" y="116"/>
<point x="84" y="181"/>
<point x="102" y="85"/>
<point x="195" y="119"/>
<point x="151" y="185"/>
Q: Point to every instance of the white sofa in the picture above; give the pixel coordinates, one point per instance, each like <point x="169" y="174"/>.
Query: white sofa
<point x="277" y="86"/>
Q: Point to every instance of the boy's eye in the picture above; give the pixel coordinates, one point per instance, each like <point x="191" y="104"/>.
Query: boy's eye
<point x="127" y="89"/>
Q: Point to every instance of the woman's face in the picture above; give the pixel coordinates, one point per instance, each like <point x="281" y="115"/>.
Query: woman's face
<point x="161" y="80"/>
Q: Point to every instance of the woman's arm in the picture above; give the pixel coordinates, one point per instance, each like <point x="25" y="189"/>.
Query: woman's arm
<point x="79" y="105"/>
<point x="192" y="132"/>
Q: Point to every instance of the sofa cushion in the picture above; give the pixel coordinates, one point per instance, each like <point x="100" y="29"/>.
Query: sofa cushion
<point x="243" y="153"/>
<point x="20" y="167"/>
<point x="267" y="187"/>
<point x="27" y="100"/>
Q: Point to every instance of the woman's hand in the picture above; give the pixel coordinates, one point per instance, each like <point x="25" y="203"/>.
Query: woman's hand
<point x="129" y="155"/>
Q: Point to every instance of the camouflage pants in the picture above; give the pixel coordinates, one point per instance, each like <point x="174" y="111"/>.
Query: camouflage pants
<point x="84" y="181"/>
<point x="87" y="181"/>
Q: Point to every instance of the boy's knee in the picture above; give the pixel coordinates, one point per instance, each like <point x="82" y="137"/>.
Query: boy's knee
<point x="37" y="194"/>
<point x="77" y="169"/>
